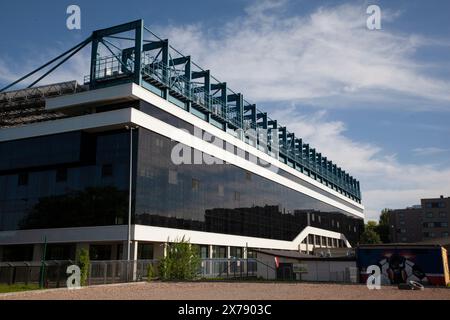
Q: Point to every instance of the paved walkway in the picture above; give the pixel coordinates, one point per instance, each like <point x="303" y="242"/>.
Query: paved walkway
<point x="231" y="291"/>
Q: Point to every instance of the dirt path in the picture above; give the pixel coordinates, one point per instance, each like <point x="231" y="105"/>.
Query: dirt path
<point x="232" y="291"/>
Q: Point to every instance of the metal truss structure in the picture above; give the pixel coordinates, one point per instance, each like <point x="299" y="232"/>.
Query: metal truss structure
<point x="130" y="52"/>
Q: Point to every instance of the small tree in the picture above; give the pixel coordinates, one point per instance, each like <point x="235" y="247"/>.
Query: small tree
<point x="83" y="261"/>
<point x="150" y="272"/>
<point x="370" y="236"/>
<point x="181" y="262"/>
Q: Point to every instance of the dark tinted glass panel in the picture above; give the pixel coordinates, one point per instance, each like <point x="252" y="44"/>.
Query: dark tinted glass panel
<point x="61" y="175"/>
<point x="100" y="252"/>
<point x="39" y="152"/>
<point x="223" y="198"/>
<point x="60" y="252"/>
<point x="61" y="182"/>
<point x="17" y="253"/>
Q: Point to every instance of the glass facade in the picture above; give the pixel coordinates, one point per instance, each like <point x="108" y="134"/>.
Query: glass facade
<point x="66" y="180"/>
<point x="81" y="179"/>
<point x="223" y="198"/>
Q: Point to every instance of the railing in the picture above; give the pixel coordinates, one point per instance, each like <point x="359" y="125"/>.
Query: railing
<point x="236" y="269"/>
<point x="51" y="273"/>
<point x="117" y="271"/>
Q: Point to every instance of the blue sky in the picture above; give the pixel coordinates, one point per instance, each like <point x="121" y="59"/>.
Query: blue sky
<point x="376" y="102"/>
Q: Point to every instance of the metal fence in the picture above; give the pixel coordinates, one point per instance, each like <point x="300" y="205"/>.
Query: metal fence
<point x="117" y="271"/>
<point x="51" y="273"/>
<point x="237" y="269"/>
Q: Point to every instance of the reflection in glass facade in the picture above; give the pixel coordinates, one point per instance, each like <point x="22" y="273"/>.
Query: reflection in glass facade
<point x="59" y="181"/>
<point x="223" y="198"/>
<point x="81" y="179"/>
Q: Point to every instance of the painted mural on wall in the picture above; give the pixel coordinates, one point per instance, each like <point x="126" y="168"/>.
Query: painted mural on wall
<point x="401" y="265"/>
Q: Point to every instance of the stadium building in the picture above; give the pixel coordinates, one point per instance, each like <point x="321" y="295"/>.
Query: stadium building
<point x="153" y="148"/>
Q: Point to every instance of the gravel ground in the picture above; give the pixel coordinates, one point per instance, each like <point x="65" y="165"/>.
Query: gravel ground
<point x="231" y="291"/>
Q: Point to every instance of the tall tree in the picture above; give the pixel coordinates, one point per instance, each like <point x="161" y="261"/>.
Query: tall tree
<point x="383" y="226"/>
<point x="370" y="235"/>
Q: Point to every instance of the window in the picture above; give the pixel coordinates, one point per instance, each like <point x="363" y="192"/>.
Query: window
<point x="401" y="215"/>
<point x="317" y="240"/>
<point x="444" y="224"/>
<point x="61" y="175"/>
<point x="107" y="170"/>
<point x="429" y="214"/>
<point x="145" y="251"/>
<point x="195" y="184"/>
<point x="204" y="252"/>
<point x="403" y="239"/>
<point x="445" y="234"/>
<point x="403" y="230"/>
<point x="235" y="252"/>
<point x="23" y="179"/>
<point x="402" y="223"/>
<point x="443" y="214"/>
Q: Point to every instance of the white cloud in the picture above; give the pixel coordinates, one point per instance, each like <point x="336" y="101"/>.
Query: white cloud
<point x="385" y="181"/>
<point x="428" y="151"/>
<point x="73" y="69"/>
<point x="329" y="54"/>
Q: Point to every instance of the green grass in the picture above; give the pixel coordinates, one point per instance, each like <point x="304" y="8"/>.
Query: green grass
<point x="4" y="288"/>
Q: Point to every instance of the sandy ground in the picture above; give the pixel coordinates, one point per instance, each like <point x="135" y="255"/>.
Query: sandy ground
<point x="231" y="291"/>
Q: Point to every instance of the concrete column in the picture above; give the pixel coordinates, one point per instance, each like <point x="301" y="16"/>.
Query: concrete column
<point x="134" y="257"/>
<point x="244" y="256"/>
<point x="210" y="251"/>
<point x="307" y="244"/>
<point x="134" y="250"/>
<point x="159" y="250"/>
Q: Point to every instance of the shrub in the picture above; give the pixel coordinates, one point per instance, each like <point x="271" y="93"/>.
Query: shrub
<point x="181" y="262"/>
<point x="151" y="274"/>
<point x="83" y="262"/>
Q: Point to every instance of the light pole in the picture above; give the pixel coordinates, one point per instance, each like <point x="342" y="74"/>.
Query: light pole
<point x="130" y="127"/>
